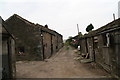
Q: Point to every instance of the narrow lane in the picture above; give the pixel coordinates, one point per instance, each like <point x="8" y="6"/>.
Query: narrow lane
<point x="60" y="65"/>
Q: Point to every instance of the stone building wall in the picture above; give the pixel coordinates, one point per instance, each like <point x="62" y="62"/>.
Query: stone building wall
<point x="54" y="44"/>
<point x="90" y="46"/>
<point x="33" y="39"/>
<point x="83" y="48"/>
<point x="108" y="56"/>
<point x="47" y="44"/>
<point x="59" y="41"/>
<point x="26" y="35"/>
<point x="104" y="46"/>
<point x="8" y="53"/>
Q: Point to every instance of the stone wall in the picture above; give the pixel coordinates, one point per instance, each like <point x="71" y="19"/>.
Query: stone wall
<point x="83" y="48"/>
<point x="33" y="39"/>
<point x="27" y="36"/>
<point x="8" y="54"/>
<point x="47" y="44"/>
<point x="103" y="46"/>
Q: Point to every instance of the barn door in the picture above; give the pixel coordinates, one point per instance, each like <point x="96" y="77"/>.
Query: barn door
<point x="117" y="52"/>
<point x="117" y="47"/>
<point x="5" y="59"/>
<point x="51" y="45"/>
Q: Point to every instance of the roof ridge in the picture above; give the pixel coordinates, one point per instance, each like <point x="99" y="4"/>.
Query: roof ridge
<point x="23" y="19"/>
<point x="108" y="24"/>
<point x="30" y="23"/>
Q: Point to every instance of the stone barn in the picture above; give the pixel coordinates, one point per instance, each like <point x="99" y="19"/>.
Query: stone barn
<point x="51" y="41"/>
<point x="103" y="46"/>
<point x="59" y="41"/>
<point x="27" y="35"/>
<point x="32" y="39"/>
<point x="8" y="53"/>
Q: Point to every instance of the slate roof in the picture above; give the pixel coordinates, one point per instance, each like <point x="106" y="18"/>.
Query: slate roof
<point x="34" y="25"/>
<point x="110" y="26"/>
<point x="3" y="29"/>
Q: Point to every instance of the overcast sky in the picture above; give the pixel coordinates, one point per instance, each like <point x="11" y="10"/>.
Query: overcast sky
<point x="62" y="15"/>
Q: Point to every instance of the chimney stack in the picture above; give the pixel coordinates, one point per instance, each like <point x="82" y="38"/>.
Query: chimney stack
<point x="119" y="9"/>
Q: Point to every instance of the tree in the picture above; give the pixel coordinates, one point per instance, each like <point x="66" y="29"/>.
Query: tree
<point x="69" y="39"/>
<point x="89" y="27"/>
<point x="46" y="26"/>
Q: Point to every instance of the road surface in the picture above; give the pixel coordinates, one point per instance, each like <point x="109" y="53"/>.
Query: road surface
<point x="60" y="65"/>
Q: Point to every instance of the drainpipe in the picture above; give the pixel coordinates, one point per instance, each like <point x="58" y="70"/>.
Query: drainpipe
<point x="42" y="51"/>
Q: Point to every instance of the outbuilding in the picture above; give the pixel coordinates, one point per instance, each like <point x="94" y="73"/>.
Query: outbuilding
<point x="103" y="46"/>
<point x="33" y="41"/>
<point x="8" y="53"/>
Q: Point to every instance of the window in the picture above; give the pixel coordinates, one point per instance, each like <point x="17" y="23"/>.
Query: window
<point x="56" y="47"/>
<point x="95" y="42"/>
<point x="106" y="39"/>
<point x="21" y="49"/>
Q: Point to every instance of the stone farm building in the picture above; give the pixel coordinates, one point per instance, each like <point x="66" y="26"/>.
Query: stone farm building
<point x="103" y="46"/>
<point x="8" y="70"/>
<point x="33" y="39"/>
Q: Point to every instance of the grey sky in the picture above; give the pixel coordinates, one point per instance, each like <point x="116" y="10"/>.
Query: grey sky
<point x="62" y="15"/>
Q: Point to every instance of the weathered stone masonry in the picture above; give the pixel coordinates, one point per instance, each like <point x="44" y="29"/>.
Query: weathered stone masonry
<point x="8" y="53"/>
<point x="103" y="46"/>
<point x="33" y="39"/>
